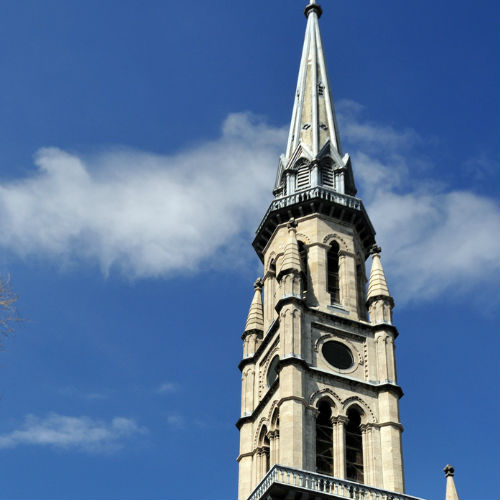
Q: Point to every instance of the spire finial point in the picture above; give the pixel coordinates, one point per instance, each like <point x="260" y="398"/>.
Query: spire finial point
<point x="313" y="7"/>
<point x="259" y="283"/>
<point x="449" y="471"/>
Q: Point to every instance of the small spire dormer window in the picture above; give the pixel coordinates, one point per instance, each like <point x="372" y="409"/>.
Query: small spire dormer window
<point x="303" y="177"/>
<point x="327" y="176"/>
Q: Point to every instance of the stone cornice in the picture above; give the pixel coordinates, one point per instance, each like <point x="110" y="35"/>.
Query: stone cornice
<point x="287" y="300"/>
<point x="316" y="200"/>
<point x="386" y="327"/>
<point x="335" y="329"/>
<point x="245" y="362"/>
<point x="397" y="425"/>
<point x="265" y="342"/>
<point x="291" y="360"/>
<point x="255" y="331"/>
<point x="385" y="298"/>
<point x="385" y="386"/>
<point x="284" y="272"/>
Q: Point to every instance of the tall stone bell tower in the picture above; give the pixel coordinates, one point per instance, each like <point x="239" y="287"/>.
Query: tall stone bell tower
<point x="320" y="398"/>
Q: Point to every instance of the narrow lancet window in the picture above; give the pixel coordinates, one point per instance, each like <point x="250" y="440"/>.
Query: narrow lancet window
<point x="264" y="453"/>
<point x="354" y="447"/>
<point x="324" y="440"/>
<point x="303" y="264"/>
<point x="333" y="273"/>
<point x="361" y="286"/>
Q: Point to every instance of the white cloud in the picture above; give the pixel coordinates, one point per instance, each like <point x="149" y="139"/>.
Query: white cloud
<point x="145" y="214"/>
<point x="167" y="388"/>
<point x="79" y="433"/>
<point x="154" y="215"/>
<point x="435" y="240"/>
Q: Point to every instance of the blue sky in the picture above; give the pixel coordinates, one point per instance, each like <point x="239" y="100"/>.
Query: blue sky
<point x="138" y="147"/>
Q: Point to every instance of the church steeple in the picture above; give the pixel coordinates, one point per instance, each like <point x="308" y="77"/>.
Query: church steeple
<point x="313" y="139"/>
<point x="320" y="398"/>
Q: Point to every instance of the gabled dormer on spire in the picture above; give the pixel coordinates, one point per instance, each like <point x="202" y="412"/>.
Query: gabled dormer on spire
<point x="313" y="154"/>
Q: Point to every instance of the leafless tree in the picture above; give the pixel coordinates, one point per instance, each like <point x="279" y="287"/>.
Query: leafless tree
<point x="9" y="314"/>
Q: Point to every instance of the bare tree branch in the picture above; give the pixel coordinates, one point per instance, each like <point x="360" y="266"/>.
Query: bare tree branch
<point x="9" y="314"/>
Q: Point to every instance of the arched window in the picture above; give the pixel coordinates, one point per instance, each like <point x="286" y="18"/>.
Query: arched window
<point x="272" y="371"/>
<point x="333" y="273"/>
<point x="324" y="439"/>
<point x="303" y="264"/>
<point x="354" y="447"/>
<point x="275" y="430"/>
<point x="265" y="447"/>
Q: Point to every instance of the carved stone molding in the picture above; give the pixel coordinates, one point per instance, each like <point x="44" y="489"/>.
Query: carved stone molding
<point x="356" y="400"/>
<point x="304" y="238"/>
<point x="336" y="237"/>
<point x="329" y="394"/>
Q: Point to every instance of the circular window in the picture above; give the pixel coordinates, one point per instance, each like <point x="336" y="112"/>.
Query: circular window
<point x="272" y="372"/>
<point x="338" y="355"/>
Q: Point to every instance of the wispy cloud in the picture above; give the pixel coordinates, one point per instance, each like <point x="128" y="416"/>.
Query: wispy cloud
<point x="152" y="215"/>
<point x="144" y="214"/>
<point x="72" y="391"/>
<point x="167" y="388"/>
<point x="78" y="433"/>
<point x="176" y="421"/>
<point x="435" y="240"/>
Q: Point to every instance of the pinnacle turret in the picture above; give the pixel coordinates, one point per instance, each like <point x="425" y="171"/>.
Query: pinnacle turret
<point x="377" y="284"/>
<point x="291" y="256"/>
<point x="255" y="320"/>
<point x="379" y="300"/>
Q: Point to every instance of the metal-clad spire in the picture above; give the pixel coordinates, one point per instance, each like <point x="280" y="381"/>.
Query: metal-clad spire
<point x="313" y="117"/>
<point x="313" y="135"/>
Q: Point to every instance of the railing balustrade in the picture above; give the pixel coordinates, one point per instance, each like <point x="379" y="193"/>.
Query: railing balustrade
<point x="311" y="193"/>
<point x="311" y="481"/>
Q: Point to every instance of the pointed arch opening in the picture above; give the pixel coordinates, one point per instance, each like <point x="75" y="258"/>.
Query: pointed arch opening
<point x="361" y="288"/>
<point x="333" y="282"/>
<point x="264" y="450"/>
<point x="303" y="264"/>
<point x="275" y="433"/>
<point x="324" y="439"/>
<point x="354" y="446"/>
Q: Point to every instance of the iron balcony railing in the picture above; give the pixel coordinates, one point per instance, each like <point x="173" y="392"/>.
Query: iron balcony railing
<point x="310" y="481"/>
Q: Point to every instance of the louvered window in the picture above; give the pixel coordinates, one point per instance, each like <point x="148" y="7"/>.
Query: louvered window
<point x="303" y="177"/>
<point x="327" y="176"/>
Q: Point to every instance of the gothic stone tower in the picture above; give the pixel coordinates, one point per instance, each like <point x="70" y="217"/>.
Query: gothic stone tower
<point x="319" y="385"/>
